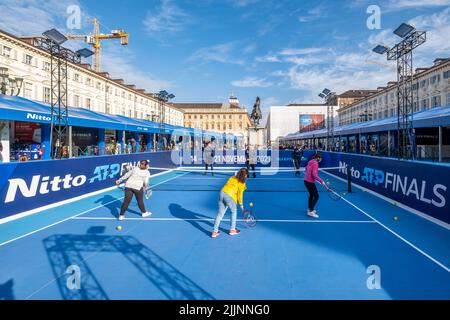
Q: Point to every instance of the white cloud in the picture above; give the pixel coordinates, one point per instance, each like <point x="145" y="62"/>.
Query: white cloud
<point x="394" y="5"/>
<point x="312" y="14"/>
<point x="252" y="82"/>
<point x="268" y="58"/>
<point x="301" y="51"/>
<point x="243" y="3"/>
<point x="168" y="18"/>
<point x="33" y="17"/>
<point x="117" y="60"/>
<point x="218" y="53"/>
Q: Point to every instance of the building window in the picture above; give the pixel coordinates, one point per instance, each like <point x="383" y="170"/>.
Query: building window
<point x="76" y="77"/>
<point x="76" y="101"/>
<point x="46" y="66"/>
<point x="28" y="59"/>
<point x="6" y="52"/>
<point x="88" y="81"/>
<point x="424" y="104"/>
<point x="28" y="90"/>
<point x="435" y="79"/>
<point x="436" y="101"/>
<point x="88" y="103"/>
<point x="447" y="74"/>
<point x="448" y="99"/>
<point x="47" y="95"/>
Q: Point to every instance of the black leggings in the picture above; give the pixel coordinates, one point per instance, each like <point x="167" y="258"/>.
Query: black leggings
<point x="297" y="166"/>
<point x="206" y="167"/>
<point x="139" y="194"/>
<point x="253" y="168"/>
<point x="313" y="195"/>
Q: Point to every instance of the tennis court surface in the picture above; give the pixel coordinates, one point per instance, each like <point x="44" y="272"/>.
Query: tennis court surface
<point x="361" y="247"/>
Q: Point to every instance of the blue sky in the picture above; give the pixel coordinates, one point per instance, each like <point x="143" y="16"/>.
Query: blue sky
<point x="283" y="51"/>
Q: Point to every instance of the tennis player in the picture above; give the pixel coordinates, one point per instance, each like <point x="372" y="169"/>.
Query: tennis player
<point x="311" y="176"/>
<point x="208" y="155"/>
<point x="297" y="156"/>
<point x="232" y="194"/>
<point x="138" y="180"/>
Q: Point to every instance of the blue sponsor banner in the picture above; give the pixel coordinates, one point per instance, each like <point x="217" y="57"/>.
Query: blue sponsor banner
<point x="418" y="185"/>
<point x="236" y="158"/>
<point x="25" y="186"/>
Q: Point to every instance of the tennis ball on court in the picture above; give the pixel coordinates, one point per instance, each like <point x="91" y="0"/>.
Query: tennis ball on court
<point x="395" y="218"/>
<point x="395" y="203"/>
<point x="119" y="228"/>
<point x="251" y="204"/>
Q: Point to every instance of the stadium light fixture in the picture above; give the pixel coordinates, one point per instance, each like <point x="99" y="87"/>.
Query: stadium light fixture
<point x="326" y="91"/>
<point x="55" y="36"/>
<point x="380" y="49"/>
<point x="403" y="30"/>
<point x="84" y="53"/>
<point x="322" y="95"/>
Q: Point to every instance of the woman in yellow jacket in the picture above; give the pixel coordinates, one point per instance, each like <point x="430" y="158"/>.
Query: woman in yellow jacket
<point x="232" y="194"/>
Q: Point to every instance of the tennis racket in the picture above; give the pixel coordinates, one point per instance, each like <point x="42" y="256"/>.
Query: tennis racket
<point x="148" y="192"/>
<point x="334" y="194"/>
<point x="249" y="219"/>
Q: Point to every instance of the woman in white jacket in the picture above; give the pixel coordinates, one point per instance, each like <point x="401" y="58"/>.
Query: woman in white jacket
<point x="138" y="180"/>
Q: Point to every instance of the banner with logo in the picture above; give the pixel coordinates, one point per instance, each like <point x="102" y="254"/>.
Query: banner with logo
<point x="419" y="185"/>
<point x="236" y="158"/>
<point x="26" y="186"/>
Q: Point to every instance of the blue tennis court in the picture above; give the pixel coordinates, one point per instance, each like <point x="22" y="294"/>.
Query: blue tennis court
<point x="171" y="255"/>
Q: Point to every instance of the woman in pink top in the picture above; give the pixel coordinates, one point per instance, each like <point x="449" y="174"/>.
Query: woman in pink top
<point x="311" y="176"/>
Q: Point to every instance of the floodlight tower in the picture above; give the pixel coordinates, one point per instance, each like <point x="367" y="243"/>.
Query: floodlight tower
<point x="163" y="97"/>
<point x="59" y="58"/>
<point x="329" y="96"/>
<point x="402" y="52"/>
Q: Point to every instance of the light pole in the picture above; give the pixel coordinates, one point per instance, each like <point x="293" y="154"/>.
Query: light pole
<point x="14" y="84"/>
<point x="402" y="52"/>
<point x="163" y="97"/>
<point x="59" y="57"/>
<point x="329" y="97"/>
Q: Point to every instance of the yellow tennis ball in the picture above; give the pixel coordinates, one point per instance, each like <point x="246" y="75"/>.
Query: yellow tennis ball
<point x="119" y="228"/>
<point x="396" y="218"/>
<point x="251" y="204"/>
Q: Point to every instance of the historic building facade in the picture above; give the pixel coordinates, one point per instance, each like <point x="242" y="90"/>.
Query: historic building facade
<point x="219" y="117"/>
<point x="431" y="88"/>
<point x="86" y="88"/>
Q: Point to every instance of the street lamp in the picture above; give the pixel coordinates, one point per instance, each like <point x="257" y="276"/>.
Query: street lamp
<point x="329" y="96"/>
<point x="402" y="52"/>
<point x="7" y="81"/>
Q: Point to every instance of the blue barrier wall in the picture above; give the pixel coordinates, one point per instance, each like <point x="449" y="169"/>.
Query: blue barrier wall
<point x="265" y="158"/>
<point x="26" y="186"/>
<point x="419" y="185"/>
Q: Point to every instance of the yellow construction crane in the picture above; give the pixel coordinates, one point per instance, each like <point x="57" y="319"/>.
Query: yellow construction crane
<point x="95" y="40"/>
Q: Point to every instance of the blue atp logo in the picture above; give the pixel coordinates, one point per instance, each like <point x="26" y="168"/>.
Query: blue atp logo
<point x="373" y="176"/>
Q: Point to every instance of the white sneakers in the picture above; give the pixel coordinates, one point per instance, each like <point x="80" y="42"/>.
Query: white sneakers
<point x="313" y="214"/>
<point x="146" y="214"/>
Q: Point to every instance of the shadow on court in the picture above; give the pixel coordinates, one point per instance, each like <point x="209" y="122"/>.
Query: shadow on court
<point x="113" y="205"/>
<point x="6" y="290"/>
<point x="66" y="250"/>
<point x="179" y="212"/>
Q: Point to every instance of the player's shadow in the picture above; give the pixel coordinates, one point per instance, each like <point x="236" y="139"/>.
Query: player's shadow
<point x="6" y="290"/>
<point x="67" y="250"/>
<point x="194" y="219"/>
<point x="113" y="204"/>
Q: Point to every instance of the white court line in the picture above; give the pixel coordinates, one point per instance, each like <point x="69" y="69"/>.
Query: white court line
<point x="74" y="216"/>
<point x="204" y="219"/>
<point x="399" y="236"/>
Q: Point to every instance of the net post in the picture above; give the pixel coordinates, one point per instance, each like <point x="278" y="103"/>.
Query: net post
<point x="349" y="179"/>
